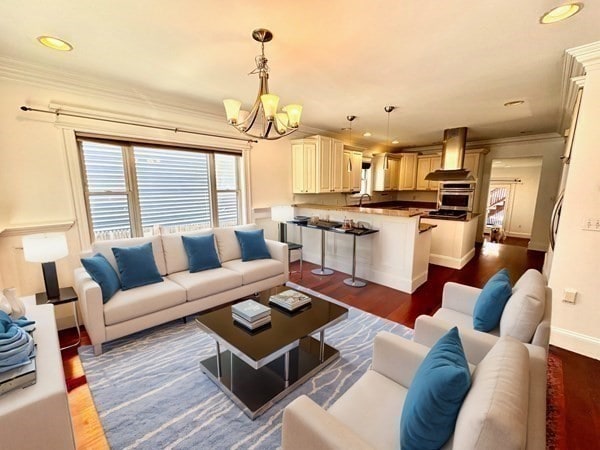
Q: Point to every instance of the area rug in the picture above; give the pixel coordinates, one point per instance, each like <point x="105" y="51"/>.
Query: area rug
<point x="150" y="393"/>
<point x="556" y="435"/>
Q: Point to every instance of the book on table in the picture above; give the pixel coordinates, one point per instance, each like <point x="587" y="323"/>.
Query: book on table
<point x="252" y="325"/>
<point x="250" y="310"/>
<point x="290" y="299"/>
<point x="19" y="377"/>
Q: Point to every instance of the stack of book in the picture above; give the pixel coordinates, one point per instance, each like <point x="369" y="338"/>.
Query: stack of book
<point x="251" y="314"/>
<point x="290" y="299"/>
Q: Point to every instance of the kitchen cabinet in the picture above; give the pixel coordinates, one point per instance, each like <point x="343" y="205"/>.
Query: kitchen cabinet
<point x="471" y="164"/>
<point x="425" y="165"/>
<point x="304" y="163"/>
<point x="330" y="155"/>
<point x="407" y="180"/>
<point x="386" y="171"/>
<point x="352" y="168"/>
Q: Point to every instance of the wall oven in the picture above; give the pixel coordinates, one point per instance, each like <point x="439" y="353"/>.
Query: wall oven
<point x="457" y="196"/>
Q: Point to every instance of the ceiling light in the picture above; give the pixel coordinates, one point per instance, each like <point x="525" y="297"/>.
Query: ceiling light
<point x="395" y="141"/>
<point x="561" y="12"/>
<point x="265" y="105"/>
<point x="55" y="43"/>
<point x="514" y="103"/>
<point x="367" y="134"/>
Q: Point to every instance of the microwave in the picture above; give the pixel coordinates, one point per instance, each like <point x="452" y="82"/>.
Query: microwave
<point x="457" y="196"/>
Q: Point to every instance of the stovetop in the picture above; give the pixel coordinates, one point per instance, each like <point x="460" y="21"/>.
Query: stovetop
<point x="448" y="213"/>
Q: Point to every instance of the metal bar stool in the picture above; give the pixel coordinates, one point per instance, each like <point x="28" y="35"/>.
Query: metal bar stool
<point x="292" y="246"/>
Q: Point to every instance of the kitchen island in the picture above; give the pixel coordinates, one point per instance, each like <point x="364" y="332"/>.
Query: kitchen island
<point x="397" y="256"/>
<point x="453" y="240"/>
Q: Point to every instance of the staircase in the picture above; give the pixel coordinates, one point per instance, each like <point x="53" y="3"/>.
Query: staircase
<point x="495" y="207"/>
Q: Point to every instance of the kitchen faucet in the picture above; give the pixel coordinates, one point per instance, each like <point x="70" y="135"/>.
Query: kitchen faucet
<point x="361" y="199"/>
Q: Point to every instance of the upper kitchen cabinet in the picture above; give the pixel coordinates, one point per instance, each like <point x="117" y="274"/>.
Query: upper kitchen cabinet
<point x="352" y="168"/>
<point x="304" y="164"/>
<point x="385" y="170"/>
<point x="407" y="181"/>
<point x="425" y="165"/>
<point x="471" y="163"/>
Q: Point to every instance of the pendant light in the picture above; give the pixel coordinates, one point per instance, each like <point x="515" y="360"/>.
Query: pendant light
<point x="388" y="109"/>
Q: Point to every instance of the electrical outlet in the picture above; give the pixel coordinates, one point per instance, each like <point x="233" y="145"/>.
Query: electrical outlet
<point x="569" y="296"/>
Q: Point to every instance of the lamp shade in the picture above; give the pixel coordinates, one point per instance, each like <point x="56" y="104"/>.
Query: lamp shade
<point x="232" y="109"/>
<point x="281" y="122"/>
<point x="45" y="247"/>
<point x="294" y="112"/>
<point x="282" y="213"/>
<point x="270" y="103"/>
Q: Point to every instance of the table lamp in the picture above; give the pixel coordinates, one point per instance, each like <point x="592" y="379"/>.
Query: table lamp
<point x="46" y="248"/>
<point x="282" y="214"/>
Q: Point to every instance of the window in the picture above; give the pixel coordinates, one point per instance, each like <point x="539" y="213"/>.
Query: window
<point x="131" y="188"/>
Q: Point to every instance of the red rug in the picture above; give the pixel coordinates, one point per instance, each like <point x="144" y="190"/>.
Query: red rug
<point x="556" y="433"/>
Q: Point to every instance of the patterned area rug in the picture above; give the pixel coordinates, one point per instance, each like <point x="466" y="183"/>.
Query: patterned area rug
<point x="556" y="435"/>
<point x="150" y="393"/>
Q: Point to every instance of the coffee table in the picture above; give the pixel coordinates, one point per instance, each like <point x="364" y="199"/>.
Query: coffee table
<point x="258" y="368"/>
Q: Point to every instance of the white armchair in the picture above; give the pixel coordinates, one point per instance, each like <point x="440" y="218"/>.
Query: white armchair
<point x="368" y="415"/>
<point x="527" y="318"/>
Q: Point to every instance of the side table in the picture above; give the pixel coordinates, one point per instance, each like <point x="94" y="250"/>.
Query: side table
<point x="67" y="295"/>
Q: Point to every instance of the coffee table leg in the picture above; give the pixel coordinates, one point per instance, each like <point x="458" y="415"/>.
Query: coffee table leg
<point x="218" y="360"/>
<point x="287" y="369"/>
<point x="322" y="345"/>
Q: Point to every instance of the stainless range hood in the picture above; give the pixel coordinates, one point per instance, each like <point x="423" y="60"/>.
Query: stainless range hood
<point x="453" y="157"/>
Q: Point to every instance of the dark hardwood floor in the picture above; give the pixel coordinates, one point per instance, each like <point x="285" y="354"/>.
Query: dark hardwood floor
<point x="582" y="390"/>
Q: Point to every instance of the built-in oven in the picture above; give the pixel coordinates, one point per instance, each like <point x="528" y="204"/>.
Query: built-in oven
<point x="457" y="196"/>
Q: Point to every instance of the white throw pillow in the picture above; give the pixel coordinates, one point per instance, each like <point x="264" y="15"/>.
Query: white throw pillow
<point x="494" y="412"/>
<point x="525" y="308"/>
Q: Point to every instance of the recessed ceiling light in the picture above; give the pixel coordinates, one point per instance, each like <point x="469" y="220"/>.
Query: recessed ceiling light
<point x="514" y="103"/>
<point x="395" y="141"/>
<point x="55" y="43"/>
<point x="367" y="134"/>
<point x="561" y="12"/>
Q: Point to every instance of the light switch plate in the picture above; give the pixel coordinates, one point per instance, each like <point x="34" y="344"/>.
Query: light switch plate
<point x="569" y="296"/>
<point x="591" y="224"/>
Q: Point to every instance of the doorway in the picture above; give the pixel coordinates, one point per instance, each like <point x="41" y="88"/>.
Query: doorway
<point x="511" y="200"/>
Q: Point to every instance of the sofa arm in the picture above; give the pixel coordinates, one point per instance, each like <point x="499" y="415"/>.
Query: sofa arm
<point x="91" y="306"/>
<point x="460" y="297"/>
<point x="541" y="337"/>
<point x="397" y="358"/>
<point x="307" y="425"/>
<point x="475" y="343"/>
<point x="278" y="251"/>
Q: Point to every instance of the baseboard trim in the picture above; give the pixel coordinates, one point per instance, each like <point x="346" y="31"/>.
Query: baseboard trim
<point x="575" y="342"/>
<point x="453" y="263"/>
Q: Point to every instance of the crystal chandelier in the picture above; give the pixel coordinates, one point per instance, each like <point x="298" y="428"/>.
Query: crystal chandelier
<point x="263" y="121"/>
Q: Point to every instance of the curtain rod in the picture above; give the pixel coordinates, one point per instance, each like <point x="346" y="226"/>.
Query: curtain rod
<point x="125" y="122"/>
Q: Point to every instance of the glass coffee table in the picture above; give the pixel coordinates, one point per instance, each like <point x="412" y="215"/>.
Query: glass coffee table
<point x="258" y="368"/>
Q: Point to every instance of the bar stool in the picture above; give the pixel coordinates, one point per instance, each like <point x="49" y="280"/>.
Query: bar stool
<point x="292" y="246"/>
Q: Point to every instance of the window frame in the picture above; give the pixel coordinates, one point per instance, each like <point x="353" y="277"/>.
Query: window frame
<point x="131" y="185"/>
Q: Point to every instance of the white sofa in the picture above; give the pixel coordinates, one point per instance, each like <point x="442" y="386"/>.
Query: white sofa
<point x="181" y="293"/>
<point x="526" y="316"/>
<point x="505" y="407"/>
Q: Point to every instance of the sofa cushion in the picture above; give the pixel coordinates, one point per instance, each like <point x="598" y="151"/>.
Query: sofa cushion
<point x="371" y="407"/>
<point x="459" y="319"/>
<point x="227" y="243"/>
<point x="202" y="284"/>
<point x="136" y="266"/>
<point x="201" y="252"/>
<point x="494" y="413"/>
<point x="252" y="244"/>
<point x="491" y="301"/>
<point x="126" y="305"/>
<point x="175" y="256"/>
<point x="435" y="395"/>
<point x="102" y="273"/>
<point x="525" y="308"/>
<point x="105" y="247"/>
<point x="257" y="270"/>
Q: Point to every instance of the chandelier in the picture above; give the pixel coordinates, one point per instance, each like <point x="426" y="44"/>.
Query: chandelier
<point x="263" y="121"/>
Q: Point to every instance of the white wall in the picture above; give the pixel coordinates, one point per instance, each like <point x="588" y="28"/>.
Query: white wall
<point x="521" y="212"/>
<point x="36" y="184"/>
<point x="550" y="151"/>
<point x="576" y="261"/>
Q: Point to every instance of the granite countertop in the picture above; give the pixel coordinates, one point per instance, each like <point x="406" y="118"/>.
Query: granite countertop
<point x="396" y="211"/>
<point x="470" y="216"/>
<point x="423" y="227"/>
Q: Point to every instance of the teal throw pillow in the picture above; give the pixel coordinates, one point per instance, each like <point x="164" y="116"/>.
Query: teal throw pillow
<point x="201" y="252"/>
<point x="253" y="245"/>
<point x="136" y="266"/>
<point x="102" y="273"/>
<point x="491" y="302"/>
<point x="435" y="395"/>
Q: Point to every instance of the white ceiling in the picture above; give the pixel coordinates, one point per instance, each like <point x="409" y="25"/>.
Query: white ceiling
<point x="442" y="63"/>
